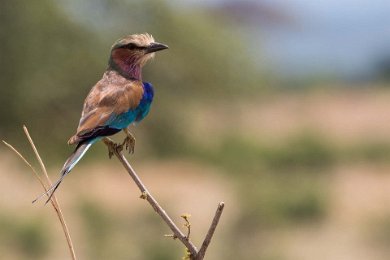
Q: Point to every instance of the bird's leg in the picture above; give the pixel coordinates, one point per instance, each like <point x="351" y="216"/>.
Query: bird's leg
<point x="112" y="147"/>
<point x="128" y="144"/>
<point x="129" y="141"/>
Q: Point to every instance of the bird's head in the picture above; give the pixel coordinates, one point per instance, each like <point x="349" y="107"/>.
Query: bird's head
<point x="130" y="54"/>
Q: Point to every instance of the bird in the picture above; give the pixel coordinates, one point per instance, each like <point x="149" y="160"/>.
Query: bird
<point x="117" y="100"/>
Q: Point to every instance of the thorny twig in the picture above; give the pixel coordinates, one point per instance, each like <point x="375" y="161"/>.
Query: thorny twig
<point x="186" y="217"/>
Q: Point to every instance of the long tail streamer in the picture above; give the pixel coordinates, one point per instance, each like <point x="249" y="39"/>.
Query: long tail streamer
<point x="73" y="159"/>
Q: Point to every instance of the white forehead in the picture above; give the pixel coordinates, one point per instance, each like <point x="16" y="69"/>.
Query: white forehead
<point x="143" y="39"/>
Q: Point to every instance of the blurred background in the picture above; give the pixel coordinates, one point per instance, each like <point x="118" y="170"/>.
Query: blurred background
<point x="279" y="108"/>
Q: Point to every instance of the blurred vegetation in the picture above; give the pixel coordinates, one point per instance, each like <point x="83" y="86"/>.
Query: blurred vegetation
<point x="378" y="232"/>
<point x="53" y="52"/>
<point x="50" y="63"/>
<point x="27" y="237"/>
<point x="41" y="85"/>
<point x="112" y="235"/>
<point x="51" y="56"/>
<point x="306" y="152"/>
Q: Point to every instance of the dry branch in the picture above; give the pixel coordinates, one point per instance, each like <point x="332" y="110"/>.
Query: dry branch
<point x="211" y="231"/>
<point x="54" y="202"/>
<point x="177" y="233"/>
<point x="194" y="254"/>
<point x="152" y="201"/>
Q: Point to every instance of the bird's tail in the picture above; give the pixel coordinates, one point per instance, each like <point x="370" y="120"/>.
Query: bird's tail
<point x="73" y="159"/>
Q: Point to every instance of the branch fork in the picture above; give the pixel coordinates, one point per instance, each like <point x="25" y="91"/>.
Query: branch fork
<point x="192" y="253"/>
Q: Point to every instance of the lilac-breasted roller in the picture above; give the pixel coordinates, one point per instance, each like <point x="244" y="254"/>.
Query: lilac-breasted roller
<point x="117" y="100"/>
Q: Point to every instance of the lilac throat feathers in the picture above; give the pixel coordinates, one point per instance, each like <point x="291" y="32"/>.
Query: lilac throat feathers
<point x="126" y="63"/>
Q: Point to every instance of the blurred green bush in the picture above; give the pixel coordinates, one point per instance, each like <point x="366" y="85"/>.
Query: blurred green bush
<point x="50" y="60"/>
<point x="28" y="237"/>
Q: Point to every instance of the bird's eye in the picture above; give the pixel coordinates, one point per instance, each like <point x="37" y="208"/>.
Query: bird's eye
<point x="131" y="46"/>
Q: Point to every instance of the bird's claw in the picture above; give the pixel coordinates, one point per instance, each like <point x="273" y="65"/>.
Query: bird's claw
<point x="129" y="143"/>
<point x="112" y="147"/>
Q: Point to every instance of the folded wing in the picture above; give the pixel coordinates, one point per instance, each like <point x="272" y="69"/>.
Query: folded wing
<point x="106" y="102"/>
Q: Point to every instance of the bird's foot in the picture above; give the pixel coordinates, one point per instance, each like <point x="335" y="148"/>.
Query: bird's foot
<point x="129" y="141"/>
<point x="112" y="147"/>
<point x="128" y="144"/>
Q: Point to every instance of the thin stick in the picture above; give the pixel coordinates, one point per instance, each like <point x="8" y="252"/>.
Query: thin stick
<point x="26" y="162"/>
<point x="211" y="231"/>
<point x="53" y="201"/>
<point x="194" y="254"/>
<point x="159" y="210"/>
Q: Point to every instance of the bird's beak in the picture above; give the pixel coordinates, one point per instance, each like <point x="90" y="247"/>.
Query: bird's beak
<point x="155" y="46"/>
